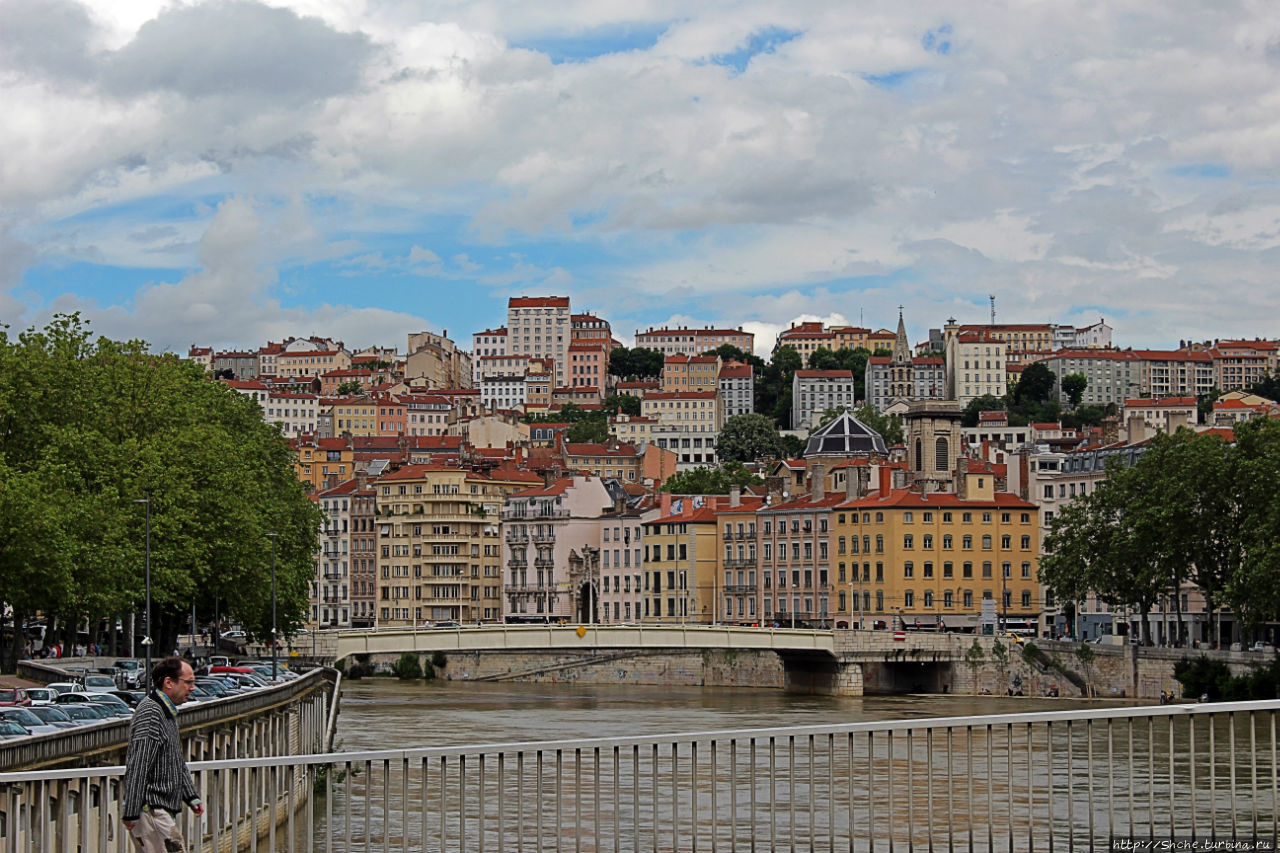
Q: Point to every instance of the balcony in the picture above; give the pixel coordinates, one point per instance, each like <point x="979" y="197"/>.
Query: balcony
<point x="544" y="563"/>
<point x="547" y="536"/>
<point x="740" y="589"/>
<point x="516" y="536"/>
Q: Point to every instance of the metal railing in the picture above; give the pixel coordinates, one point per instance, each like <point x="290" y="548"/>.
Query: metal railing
<point x="1070" y="780"/>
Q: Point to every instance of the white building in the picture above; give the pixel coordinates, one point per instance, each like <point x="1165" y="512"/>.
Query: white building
<point x="541" y="327"/>
<point x="975" y="365"/>
<point x="815" y="391"/>
<point x="737" y="389"/>
<point x="686" y="422"/>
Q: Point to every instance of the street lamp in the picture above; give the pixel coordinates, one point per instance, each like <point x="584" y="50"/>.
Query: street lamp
<point x="275" y="646"/>
<point x="146" y="616"/>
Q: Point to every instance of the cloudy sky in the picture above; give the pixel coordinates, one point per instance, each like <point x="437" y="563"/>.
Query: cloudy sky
<point x="226" y="172"/>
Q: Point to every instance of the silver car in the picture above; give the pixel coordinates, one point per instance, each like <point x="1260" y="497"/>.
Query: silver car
<point x="28" y="721"/>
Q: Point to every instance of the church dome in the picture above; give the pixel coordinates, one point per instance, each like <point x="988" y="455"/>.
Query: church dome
<point x="845" y="436"/>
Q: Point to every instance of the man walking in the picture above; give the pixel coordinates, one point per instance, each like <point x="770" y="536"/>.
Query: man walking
<point x="156" y="779"/>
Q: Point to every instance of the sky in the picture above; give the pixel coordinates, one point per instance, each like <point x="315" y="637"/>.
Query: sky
<point x="229" y="172"/>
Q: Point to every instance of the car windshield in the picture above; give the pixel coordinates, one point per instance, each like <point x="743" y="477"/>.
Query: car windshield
<point x="127" y="664"/>
<point x="9" y="727"/>
<point x="8" y="695"/>
<point x="21" y="715"/>
<point x="214" y="687"/>
<point x="40" y="694"/>
<point x="113" y="701"/>
<point x="61" y="688"/>
<point x="99" y="681"/>
<point x="50" y="714"/>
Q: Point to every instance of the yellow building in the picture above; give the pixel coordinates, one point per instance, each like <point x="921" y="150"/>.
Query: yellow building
<point x="934" y="558"/>
<point x="680" y="565"/>
<point x="354" y="415"/>
<point x="439" y="543"/>
<point x="322" y="458"/>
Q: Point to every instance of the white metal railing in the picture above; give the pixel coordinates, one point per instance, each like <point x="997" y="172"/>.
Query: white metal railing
<point x="1067" y="780"/>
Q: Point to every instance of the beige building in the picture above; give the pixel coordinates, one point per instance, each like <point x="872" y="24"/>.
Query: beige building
<point x="975" y="364"/>
<point x="437" y="360"/>
<point x="440" y="544"/>
<point x="541" y="327"/>
<point x="686" y="341"/>
<point x="687" y="422"/>
<point x="553" y="539"/>
<point x="690" y="373"/>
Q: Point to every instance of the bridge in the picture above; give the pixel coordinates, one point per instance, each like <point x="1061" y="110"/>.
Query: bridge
<point x="815" y="661"/>
<point x="1067" y="780"/>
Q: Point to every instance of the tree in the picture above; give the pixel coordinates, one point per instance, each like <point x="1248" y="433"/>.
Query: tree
<point x="351" y="386"/>
<point x="1073" y="385"/>
<point x="624" y="404"/>
<point x="985" y="403"/>
<point x="591" y="431"/>
<point x="1000" y="657"/>
<point x="974" y="658"/>
<point x="151" y="426"/>
<point x="889" y="426"/>
<point x="747" y="438"/>
<point x="1086" y="655"/>
<point x="728" y="352"/>
<point x="711" y="481"/>
<point x="638" y="363"/>
<point x="1035" y="385"/>
<point x="792" y="447"/>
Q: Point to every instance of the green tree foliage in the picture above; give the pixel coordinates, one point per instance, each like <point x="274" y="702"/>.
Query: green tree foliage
<point x="773" y="385"/>
<point x="1200" y="676"/>
<point x="1087" y="416"/>
<point x="635" y="364"/>
<point x="746" y="438"/>
<point x="854" y="360"/>
<point x="728" y="352"/>
<point x="1035" y="385"/>
<point x="588" y="431"/>
<point x="1268" y="386"/>
<point x="87" y="428"/>
<point x="625" y="404"/>
<point x="351" y="386"/>
<point x="1191" y="509"/>
<point x="974" y="658"/>
<point x="407" y="667"/>
<point x="711" y="481"/>
<point x="792" y="447"/>
<point x="985" y="403"/>
<point x="889" y="426"/>
<point x="1073" y="385"/>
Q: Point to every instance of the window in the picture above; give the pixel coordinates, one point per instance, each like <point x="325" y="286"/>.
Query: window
<point x="907" y="541"/>
<point x="946" y="542"/>
<point x="1006" y="541"/>
<point x="986" y="542"/>
<point x="967" y="542"/>
<point x="1026" y="543"/>
<point x="908" y="569"/>
<point x="1026" y="573"/>
<point x="928" y="570"/>
<point x="906" y="517"/>
<point x="986" y="569"/>
<point x="948" y="599"/>
<point x="946" y="518"/>
<point x="928" y="598"/>
<point x="1026" y="598"/>
<point x="879" y="543"/>
<point x="947" y="570"/>
<point x="908" y="599"/>
<point x="928" y="541"/>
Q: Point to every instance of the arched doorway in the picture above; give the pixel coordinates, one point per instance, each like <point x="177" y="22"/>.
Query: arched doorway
<point x="588" y="603"/>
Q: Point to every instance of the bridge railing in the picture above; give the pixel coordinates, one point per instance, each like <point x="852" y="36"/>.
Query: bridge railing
<point x="1063" y="780"/>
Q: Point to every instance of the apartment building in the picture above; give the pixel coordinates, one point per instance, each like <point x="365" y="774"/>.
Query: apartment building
<point x="738" y="598"/>
<point x="621" y="565"/>
<point x="1174" y="373"/>
<point x="541" y="327"/>
<point x="590" y="329"/>
<point x="319" y="459"/>
<point x="1164" y="415"/>
<point x="440" y="543"/>
<point x="589" y="366"/>
<point x="243" y="365"/>
<point x="1113" y="375"/>
<point x="1094" y="336"/>
<point x="686" y="341"/>
<point x="686" y="422"/>
<point x="331" y="586"/>
<point x="436" y="361"/>
<point x="295" y="414"/>
<point x="1017" y="337"/>
<point x="815" y="391"/>
<point x="680" y="550"/>
<point x="975" y="365"/>
<point x="796" y="558"/>
<point x="553" y="537"/>
<point x="935" y="557"/>
<point x="737" y="387"/>
<point x="690" y="373"/>
<point x="1240" y="364"/>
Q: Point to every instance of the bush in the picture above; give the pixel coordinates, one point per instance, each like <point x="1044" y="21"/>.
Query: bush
<point x="438" y="660"/>
<point x="1202" y="676"/>
<point x="407" y="667"/>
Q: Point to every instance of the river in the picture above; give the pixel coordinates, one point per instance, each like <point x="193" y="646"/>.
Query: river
<point x="378" y="713"/>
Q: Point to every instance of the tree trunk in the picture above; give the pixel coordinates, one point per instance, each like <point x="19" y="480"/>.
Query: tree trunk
<point x="1177" y="609"/>
<point x="1144" y="611"/>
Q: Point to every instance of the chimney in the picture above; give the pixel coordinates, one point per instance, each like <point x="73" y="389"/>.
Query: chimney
<point x="664" y="501"/>
<point x="852" y="483"/>
<point x="817" y="482"/>
<point x="886" y="481"/>
<point x="362" y="480"/>
<point x="735" y="495"/>
<point x="1136" y="429"/>
<point x="1176" y="421"/>
<point x="899" y="478"/>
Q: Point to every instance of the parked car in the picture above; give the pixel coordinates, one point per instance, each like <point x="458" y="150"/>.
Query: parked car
<point x="114" y="704"/>
<point x="129" y="697"/>
<point x="56" y="717"/>
<point x="65" y="687"/>
<point x="41" y="696"/>
<point x="219" y="660"/>
<point x="86" y="713"/>
<point x="28" y="721"/>
<point x="214" y="687"/>
<point x="130" y="673"/>
<point x="13" y="697"/>
<point x="235" y="635"/>
<point x="9" y="730"/>
<point x="99" y="683"/>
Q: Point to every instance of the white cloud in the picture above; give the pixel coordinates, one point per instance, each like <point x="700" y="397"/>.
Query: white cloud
<point x="1059" y="160"/>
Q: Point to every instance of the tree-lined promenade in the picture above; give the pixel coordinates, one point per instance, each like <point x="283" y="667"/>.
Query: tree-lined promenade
<point x="89" y="427"/>
<point x="1193" y="509"/>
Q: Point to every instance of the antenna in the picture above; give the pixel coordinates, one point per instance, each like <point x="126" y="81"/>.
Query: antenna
<point x="992" y="297"/>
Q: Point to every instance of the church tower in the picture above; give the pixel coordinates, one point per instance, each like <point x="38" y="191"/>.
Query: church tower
<point x="902" y="379"/>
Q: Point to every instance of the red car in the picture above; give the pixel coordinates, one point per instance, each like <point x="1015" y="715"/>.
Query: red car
<point x="13" y="696"/>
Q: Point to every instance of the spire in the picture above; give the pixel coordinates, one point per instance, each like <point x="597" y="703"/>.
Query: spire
<point x="901" y="349"/>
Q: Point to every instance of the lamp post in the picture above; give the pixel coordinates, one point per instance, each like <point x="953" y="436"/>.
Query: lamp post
<point x="146" y="615"/>
<point x="275" y="646"/>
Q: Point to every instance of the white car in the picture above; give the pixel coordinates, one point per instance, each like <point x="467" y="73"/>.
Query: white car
<point x="64" y="687"/>
<point x="41" y="695"/>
